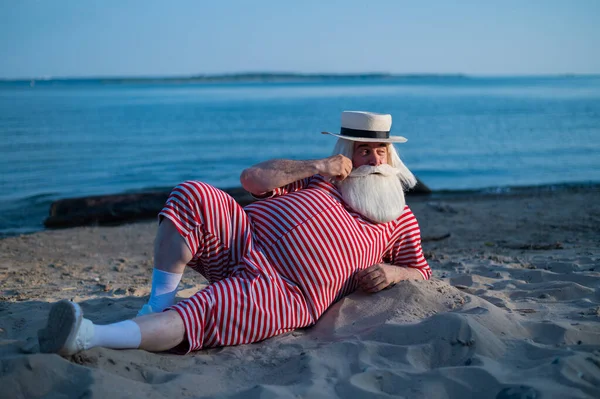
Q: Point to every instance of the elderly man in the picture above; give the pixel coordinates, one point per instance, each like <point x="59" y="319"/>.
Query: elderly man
<point x="322" y="229"/>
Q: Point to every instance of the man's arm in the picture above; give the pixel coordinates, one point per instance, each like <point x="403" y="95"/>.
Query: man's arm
<point x="406" y="260"/>
<point x="266" y="176"/>
<point x="382" y="275"/>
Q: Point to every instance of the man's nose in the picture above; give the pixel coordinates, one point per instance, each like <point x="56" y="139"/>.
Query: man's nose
<point x="374" y="161"/>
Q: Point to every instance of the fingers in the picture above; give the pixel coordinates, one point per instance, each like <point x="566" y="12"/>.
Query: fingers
<point x="338" y="166"/>
<point x="372" y="280"/>
<point x="344" y="172"/>
<point x="343" y="175"/>
<point x="376" y="288"/>
<point x="374" y="285"/>
<point x="346" y="168"/>
<point x="375" y="269"/>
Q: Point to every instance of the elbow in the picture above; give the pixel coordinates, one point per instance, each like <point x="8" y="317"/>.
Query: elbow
<point x="247" y="181"/>
<point x="251" y="182"/>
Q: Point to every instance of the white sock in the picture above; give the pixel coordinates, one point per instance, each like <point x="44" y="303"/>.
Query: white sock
<point x="122" y="335"/>
<point x="164" y="288"/>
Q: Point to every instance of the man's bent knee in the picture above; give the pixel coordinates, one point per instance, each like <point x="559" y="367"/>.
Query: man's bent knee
<point x="171" y="251"/>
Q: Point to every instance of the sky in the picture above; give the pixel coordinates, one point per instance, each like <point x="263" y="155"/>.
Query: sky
<point x="121" y="38"/>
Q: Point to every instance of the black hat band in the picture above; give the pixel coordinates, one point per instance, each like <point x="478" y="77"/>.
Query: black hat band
<point x="370" y="134"/>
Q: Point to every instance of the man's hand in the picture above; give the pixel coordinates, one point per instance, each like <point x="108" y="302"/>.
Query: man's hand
<point x="380" y="276"/>
<point x="337" y="166"/>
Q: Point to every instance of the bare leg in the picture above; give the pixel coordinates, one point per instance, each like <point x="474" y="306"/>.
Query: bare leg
<point x="164" y="330"/>
<point x="171" y="253"/>
<point x="161" y="331"/>
<point x="67" y="332"/>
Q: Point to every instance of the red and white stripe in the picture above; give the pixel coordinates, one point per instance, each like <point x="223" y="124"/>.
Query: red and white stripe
<point x="279" y="263"/>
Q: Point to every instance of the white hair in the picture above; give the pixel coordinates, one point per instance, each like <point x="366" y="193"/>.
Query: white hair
<point x="408" y="180"/>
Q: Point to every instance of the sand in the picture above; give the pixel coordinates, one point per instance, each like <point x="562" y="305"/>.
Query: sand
<point x="513" y="311"/>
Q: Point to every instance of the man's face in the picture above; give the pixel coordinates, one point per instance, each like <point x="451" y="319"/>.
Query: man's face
<point x="373" y="188"/>
<point x="373" y="154"/>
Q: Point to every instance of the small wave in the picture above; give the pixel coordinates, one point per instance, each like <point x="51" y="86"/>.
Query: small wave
<point x="24" y="215"/>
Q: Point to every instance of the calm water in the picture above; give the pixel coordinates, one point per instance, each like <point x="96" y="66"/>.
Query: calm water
<point x="85" y="138"/>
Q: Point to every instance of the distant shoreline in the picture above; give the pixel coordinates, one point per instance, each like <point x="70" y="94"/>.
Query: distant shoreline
<point x="237" y="77"/>
<point x="266" y="77"/>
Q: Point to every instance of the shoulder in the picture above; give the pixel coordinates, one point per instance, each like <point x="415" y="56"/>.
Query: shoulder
<point x="407" y="219"/>
<point x="407" y="213"/>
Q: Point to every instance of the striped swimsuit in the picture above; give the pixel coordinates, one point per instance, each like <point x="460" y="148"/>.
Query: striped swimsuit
<point x="279" y="263"/>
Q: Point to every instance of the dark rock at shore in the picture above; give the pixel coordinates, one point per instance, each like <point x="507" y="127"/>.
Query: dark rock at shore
<point x="124" y="208"/>
<point x="419" y="189"/>
<point x="104" y="209"/>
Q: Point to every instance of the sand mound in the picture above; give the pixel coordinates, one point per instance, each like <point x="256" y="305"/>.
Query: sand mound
<point x="417" y="339"/>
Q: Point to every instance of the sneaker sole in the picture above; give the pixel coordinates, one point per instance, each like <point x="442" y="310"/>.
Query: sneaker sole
<point x="63" y="322"/>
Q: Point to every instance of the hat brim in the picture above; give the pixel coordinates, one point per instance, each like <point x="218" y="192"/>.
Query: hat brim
<point x="391" y="139"/>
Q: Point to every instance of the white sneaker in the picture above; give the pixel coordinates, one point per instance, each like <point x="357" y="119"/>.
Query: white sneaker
<point x="66" y="332"/>
<point x="146" y="309"/>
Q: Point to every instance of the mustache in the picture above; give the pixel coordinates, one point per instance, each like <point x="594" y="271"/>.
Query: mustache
<point x="366" y="170"/>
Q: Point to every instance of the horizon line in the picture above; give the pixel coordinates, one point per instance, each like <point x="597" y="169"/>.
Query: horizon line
<point x="275" y="74"/>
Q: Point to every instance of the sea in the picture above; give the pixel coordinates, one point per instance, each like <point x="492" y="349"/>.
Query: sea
<point x="74" y="138"/>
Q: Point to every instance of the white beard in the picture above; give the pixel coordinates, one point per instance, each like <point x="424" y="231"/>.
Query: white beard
<point x="375" y="192"/>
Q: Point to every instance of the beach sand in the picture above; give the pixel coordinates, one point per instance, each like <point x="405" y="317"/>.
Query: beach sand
<point x="513" y="311"/>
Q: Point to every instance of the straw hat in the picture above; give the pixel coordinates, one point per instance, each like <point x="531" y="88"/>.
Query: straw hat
<point x="367" y="127"/>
